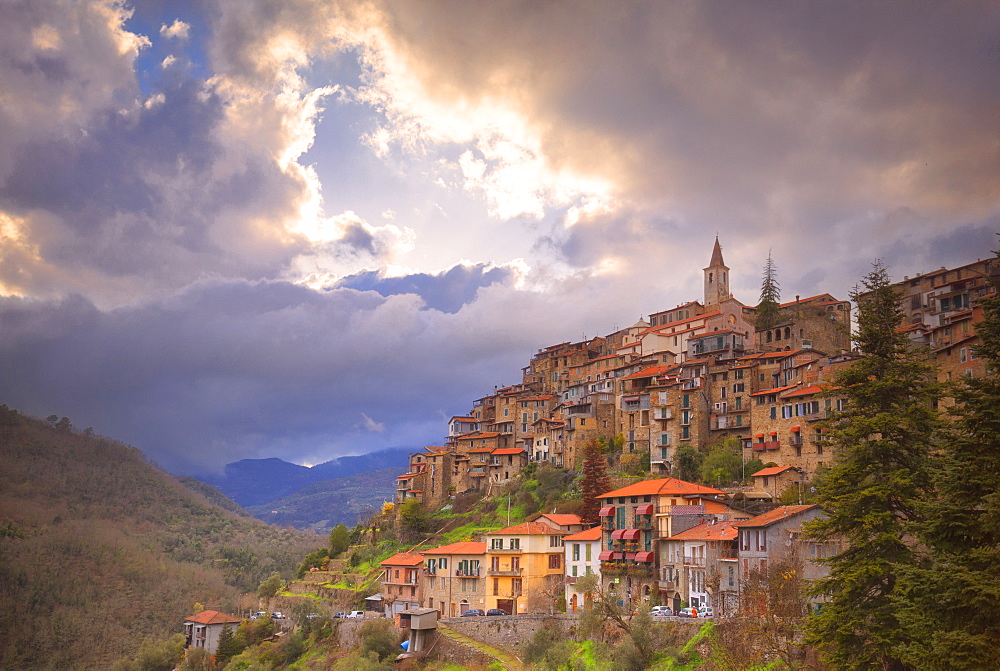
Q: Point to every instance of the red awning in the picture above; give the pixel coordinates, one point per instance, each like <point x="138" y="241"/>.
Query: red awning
<point x="616" y="555"/>
<point x="760" y="435"/>
<point x="630" y="534"/>
<point x="796" y="428"/>
<point x="618" y="534"/>
<point x="645" y="556"/>
<point x="774" y="433"/>
<point x="629" y="556"/>
<point x="604" y="556"/>
<point x="606" y="511"/>
<point x="644" y="509"/>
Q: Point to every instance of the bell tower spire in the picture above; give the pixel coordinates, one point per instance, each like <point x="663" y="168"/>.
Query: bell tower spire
<point x="716" y="278"/>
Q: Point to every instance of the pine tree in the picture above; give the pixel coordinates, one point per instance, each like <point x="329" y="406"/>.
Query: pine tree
<point x="951" y="608"/>
<point x="768" y="313"/>
<point x="228" y="647"/>
<point x="873" y="491"/>
<point x="595" y="482"/>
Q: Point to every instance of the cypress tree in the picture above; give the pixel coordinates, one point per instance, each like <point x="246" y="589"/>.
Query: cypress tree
<point x="952" y="607"/>
<point x="873" y="490"/>
<point x="768" y="313"/>
<point x="595" y="482"/>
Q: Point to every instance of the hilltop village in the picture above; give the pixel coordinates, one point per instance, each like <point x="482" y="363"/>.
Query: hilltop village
<point x="691" y="376"/>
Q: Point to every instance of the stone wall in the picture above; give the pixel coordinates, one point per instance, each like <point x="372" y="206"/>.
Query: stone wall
<point x="507" y="633"/>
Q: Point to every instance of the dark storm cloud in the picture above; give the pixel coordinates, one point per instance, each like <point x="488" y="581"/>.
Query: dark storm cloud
<point x="447" y="291"/>
<point x="229" y="370"/>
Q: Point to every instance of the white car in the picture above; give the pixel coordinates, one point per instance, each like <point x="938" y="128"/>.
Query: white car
<point x="706" y="611"/>
<point x="661" y="611"/>
<point x="356" y="615"/>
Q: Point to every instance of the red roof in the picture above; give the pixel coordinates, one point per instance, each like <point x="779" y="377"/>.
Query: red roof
<point x="592" y="534"/>
<point x="648" y="372"/>
<point x="666" y="486"/>
<point x="509" y="450"/>
<point x="775" y="515"/>
<point x="776" y="390"/>
<point x="527" y="529"/>
<point x="461" y="548"/>
<point x="773" y="470"/>
<point x="562" y="519"/>
<point x="404" y="559"/>
<point x="212" y="617"/>
<point x="720" y="531"/>
<point x="805" y="391"/>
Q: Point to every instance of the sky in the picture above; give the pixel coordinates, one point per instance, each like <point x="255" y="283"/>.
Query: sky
<point x="305" y="229"/>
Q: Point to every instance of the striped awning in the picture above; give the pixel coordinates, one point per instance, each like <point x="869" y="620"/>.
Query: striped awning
<point x="645" y="556"/>
<point x="604" y="556"/>
<point x="606" y="511"/>
<point x="630" y="534"/>
<point x="644" y="509"/>
<point x="618" y="534"/>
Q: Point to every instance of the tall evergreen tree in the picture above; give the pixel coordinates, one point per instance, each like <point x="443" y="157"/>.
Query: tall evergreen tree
<point x="768" y="313"/>
<point x="873" y="490"/>
<point x="952" y="604"/>
<point x="595" y="481"/>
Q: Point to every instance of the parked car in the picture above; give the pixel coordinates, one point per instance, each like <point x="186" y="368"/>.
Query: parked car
<point x="340" y="616"/>
<point x="706" y="611"/>
<point x="661" y="611"/>
<point x="473" y="612"/>
<point x="259" y="614"/>
<point x="356" y="615"/>
<point x="497" y="611"/>
<point x="276" y="615"/>
<point x="684" y="612"/>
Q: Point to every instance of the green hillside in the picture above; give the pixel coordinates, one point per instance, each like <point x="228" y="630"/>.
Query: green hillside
<point x="99" y="549"/>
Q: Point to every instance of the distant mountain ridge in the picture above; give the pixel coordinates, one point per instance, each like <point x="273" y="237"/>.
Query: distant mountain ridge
<point x="255" y="483"/>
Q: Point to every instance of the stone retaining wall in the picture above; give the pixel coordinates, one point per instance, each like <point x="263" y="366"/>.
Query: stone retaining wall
<point x="508" y="633"/>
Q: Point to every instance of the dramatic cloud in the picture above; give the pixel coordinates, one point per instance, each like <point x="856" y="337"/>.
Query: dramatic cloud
<point x="308" y="228"/>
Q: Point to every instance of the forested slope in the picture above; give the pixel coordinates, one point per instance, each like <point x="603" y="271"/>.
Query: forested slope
<point x="99" y="549"/>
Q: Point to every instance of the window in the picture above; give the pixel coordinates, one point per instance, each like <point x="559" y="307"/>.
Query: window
<point x="586" y="552"/>
<point x="496" y="586"/>
<point x="443" y="563"/>
<point x="774" y="412"/>
<point x="515" y="543"/>
<point x="515" y="585"/>
<point x="555" y="542"/>
<point x="494" y="563"/>
<point x="573" y="571"/>
<point x="576" y="552"/>
<point x="496" y="544"/>
<point x="555" y="561"/>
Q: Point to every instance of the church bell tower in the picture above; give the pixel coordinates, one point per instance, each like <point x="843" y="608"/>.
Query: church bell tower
<point x="716" y="279"/>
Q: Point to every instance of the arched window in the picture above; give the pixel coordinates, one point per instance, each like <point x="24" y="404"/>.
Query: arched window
<point x="769" y="336"/>
<point x="788" y="333"/>
<point x="710" y="277"/>
<point x="777" y="334"/>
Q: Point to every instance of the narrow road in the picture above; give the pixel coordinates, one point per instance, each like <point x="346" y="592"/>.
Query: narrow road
<point x="510" y="662"/>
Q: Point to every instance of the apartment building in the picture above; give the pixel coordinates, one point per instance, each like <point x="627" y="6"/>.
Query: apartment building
<point x="401" y="582"/>
<point x="582" y="557"/>
<point x="524" y="568"/>
<point x="452" y="578"/>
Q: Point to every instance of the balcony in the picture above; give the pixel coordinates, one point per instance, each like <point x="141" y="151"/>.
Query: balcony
<point x="770" y="445"/>
<point x="795" y="440"/>
<point x="467" y="573"/>
<point x="680" y="510"/>
<point x="430" y="571"/>
<point x="667" y="585"/>
<point x="693" y="561"/>
<point x="510" y="573"/>
<point x="504" y="551"/>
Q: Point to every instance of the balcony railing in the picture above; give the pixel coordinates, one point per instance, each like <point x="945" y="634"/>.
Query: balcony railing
<point x="770" y="445"/>
<point x="634" y="570"/>
<point x="504" y="551"/>
<point x="467" y="573"/>
<point x="680" y="510"/>
<point x="795" y="441"/>
<point x="667" y="585"/>
<point x="693" y="561"/>
<point x="513" y="573"/>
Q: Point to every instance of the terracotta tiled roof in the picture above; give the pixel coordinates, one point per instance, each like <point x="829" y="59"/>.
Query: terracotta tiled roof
<point x="564" y="519"/>
<point x="773" y="470"/>
<point x="404" y="559"/>
<point x="803" y="300"/>
<point x="212" y="617"/>
<point x="527" y="529"/>
<point x="720" y="531"/>
<point x="592" y="534"/>
<point x="509" y="450"/>
<point x="775" y="515"/>
<point x="776" y="390"/>
<point x="804" y="391"/>
<point x="663" y="486"/>
<point x="648" y="372"/>
<point x="461" y="548"/>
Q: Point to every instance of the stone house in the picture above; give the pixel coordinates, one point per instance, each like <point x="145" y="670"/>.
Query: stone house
<point x="776" y="479"/>
<point x="453" y="579"/>
<point x="703" y="564"/>
<point x="202" y="630"/>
